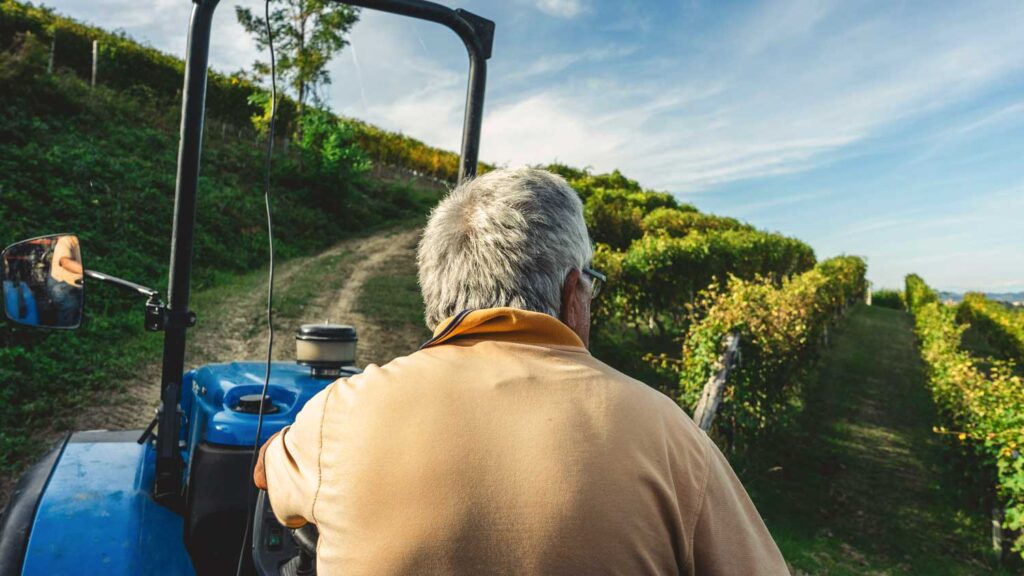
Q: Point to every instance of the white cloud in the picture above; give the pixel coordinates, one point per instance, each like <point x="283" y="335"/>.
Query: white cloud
<point x="553" y="129"/>
<point x="742" y="107"/>
<point x="741" y="210"/>
<point x="549" y="64"/>
<point x="561" y="8"/>
<point x="784" y="87"/>
<point x="778" y="91"/>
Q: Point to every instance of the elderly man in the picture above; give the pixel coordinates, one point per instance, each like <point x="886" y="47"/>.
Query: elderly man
<point x="502" y="446"/>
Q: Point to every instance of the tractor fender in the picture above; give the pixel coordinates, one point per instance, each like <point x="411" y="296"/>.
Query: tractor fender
<point x="18" y="517"/>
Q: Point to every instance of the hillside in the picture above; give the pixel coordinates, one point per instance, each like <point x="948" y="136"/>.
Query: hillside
<point x="822" y="404"/>
<point x="100" y="162"/>
<point x="232" y="100"/>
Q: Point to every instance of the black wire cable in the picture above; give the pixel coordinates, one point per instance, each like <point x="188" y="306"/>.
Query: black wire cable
<point x="270" y="285"/>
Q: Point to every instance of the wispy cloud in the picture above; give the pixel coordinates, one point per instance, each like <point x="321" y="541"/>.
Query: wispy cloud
<point x="1001" y="118"/>
<point x="561" y="8"/>
<point x="548" y="64"/>
<point x="786" y="85"/>
<point x="751" y="208"/>
<point x="779" y="92"/>
<point x="706" y="98"/>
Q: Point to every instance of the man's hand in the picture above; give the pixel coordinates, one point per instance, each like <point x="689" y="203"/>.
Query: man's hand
<point x="259" y="474"/>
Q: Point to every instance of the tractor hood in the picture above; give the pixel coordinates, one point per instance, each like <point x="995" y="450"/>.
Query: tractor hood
<point x="97" y="511"/>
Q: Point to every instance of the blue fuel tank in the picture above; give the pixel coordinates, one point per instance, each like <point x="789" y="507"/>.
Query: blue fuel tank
<point x="221" y="402"/>
<point x="214" y="395"/>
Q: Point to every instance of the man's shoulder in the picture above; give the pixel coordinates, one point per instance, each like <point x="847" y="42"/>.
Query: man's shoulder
<point x="637" y="390"/>
<point x="476" y="361"/>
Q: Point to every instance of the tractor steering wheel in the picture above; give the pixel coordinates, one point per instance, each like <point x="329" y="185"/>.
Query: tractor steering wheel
<point x="280" y="551"/>
<point x="306" y="538"/>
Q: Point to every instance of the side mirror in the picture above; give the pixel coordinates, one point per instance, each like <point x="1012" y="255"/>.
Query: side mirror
<point x="42" y="281"/>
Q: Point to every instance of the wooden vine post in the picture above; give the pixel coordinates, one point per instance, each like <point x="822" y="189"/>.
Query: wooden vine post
<point x="704" y="415"/>
<point x="95" y="58"/>
<point x="998" y="540"/>
<point x="53" y="51"/>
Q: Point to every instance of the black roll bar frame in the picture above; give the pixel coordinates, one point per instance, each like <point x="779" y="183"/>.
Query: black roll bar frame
<point x="477" y="34"/>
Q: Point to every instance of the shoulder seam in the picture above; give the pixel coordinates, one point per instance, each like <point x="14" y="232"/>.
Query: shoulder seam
<point x="319" y="456"/>
<point x="703" y="493"/>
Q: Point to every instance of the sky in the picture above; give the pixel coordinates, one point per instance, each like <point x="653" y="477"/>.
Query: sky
<point x="890" y="130"/>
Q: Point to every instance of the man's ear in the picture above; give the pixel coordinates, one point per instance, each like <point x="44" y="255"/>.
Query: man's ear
<point x="570" y="295"/>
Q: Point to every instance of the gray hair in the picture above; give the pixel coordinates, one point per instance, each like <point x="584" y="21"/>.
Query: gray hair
<point x="507" y="238"/>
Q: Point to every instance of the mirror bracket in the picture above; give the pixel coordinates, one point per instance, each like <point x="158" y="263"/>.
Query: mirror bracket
<point x="159" y="317"/>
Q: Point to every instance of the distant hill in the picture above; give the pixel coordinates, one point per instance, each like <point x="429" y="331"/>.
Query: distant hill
<point x="1012" y="298"/>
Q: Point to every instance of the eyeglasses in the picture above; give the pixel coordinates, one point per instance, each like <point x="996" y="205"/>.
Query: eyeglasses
<point x="597" y="280"/>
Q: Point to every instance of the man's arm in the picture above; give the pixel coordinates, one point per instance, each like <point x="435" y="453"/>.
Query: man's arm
<point x="729" y="536"/>
<point x="259" y="474"/>
<point x="71" y="265"/>
<point x="288" y="466"/>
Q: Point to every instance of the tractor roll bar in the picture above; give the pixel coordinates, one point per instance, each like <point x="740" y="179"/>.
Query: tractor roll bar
<point x="477" y="34"/>
<point x="169" y="466"/>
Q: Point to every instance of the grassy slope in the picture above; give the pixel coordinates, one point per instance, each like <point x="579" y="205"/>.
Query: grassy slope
<point x="101" y="163"/>
<point x="861" y="484"/>
<point x="392" y="297"/>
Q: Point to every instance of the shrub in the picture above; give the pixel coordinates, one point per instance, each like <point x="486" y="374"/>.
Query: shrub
<point x="888" y="299"/>
<point x="1003" y="327"/>
<point x="678" y="222"/>
<point x="982" y="408"/>
<point x="918" y="293"/>
<point x="780" y="328"/>
<point x="613" y="218"/>
<point x="661" y="275"/>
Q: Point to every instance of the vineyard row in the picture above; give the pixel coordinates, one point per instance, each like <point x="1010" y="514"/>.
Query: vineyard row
<point x="980" y="400"/>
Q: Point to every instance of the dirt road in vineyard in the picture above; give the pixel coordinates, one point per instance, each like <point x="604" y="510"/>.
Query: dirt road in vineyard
<point x="232" y="325"/>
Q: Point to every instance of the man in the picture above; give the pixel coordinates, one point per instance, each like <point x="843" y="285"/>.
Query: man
<point x="502" y="446"/>
<point x="64" y="285"/>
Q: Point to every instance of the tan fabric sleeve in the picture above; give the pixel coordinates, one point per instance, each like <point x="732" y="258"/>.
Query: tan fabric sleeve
<point x="292" y="464"/>
<point x="64" y="248"/>
<point x="729" y="536"/>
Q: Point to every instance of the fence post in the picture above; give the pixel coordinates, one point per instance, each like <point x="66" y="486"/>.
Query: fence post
<point x="95" y="57"/>
<point x="53" y="50"/>
<point x="704" y="414"/>
<point x="997" y="532"/>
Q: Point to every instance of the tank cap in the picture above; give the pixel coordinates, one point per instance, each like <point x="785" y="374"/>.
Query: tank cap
<point x="250" y="404"/>
<point x="327" y="333"/>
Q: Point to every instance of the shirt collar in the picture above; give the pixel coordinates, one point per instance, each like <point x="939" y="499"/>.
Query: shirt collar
<point x="508" y="325"/>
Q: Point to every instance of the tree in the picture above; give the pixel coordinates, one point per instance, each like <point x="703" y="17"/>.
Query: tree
<point x="307" y="34"/>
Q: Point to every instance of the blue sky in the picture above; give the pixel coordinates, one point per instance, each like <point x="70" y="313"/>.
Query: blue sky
<point x="893" y="130"/>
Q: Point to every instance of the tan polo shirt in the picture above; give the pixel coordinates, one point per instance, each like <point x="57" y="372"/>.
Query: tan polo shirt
<point x="504" y="447"/>
<point x="66" y="247"/>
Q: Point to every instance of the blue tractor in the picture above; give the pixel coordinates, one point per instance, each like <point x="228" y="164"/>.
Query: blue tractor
<point x="177" y="497"/>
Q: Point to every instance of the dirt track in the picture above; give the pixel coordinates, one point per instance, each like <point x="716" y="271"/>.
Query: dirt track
<point x="237" y="328"/>
<point x="232" y="325"/>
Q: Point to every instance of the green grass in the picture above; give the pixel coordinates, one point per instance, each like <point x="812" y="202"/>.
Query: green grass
<point x="394" y="300"/>
<point x="860" y="484"/>
<point x="101" y="163"/>
<point x="392" y="296"/>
